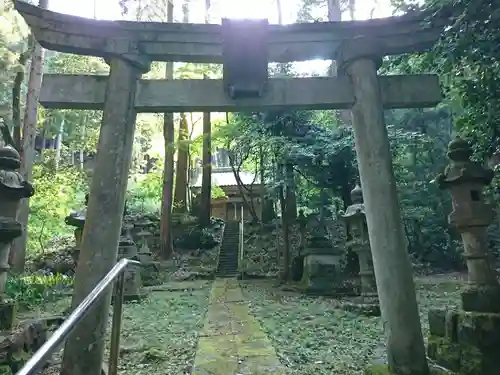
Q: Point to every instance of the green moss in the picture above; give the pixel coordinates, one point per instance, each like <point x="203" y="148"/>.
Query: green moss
<point x="384" y="370"/>
<point x="377" y="370"/>
<point x="471" y="360"/>
<point x="445" y="352"/>
<point x="232" y="341"/>
<point x="459" y="357"/>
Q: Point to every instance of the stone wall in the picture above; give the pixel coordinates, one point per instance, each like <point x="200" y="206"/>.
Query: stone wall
<point x="17" y="346"/>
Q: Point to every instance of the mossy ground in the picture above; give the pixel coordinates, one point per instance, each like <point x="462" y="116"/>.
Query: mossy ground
<point x="313" y="336"/>
<point x="159" y="334"/>
<point x="310" y="335"/>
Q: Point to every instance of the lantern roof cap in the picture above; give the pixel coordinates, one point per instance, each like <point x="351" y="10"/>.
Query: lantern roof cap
<point x="461" y="169"/>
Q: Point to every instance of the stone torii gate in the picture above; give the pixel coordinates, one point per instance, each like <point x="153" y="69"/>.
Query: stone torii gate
<point x="129" y="47"/>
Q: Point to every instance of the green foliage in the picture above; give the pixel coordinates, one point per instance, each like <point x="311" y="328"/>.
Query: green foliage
<point x="33" y="290"/>
<point x="145" y="190"/>
<point x="217" y="192"/>
<point x="56" y="194"/>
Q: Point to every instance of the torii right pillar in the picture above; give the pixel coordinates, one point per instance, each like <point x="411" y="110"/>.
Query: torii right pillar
<point x="468" y="341"/>
<point x="360" y="59"/>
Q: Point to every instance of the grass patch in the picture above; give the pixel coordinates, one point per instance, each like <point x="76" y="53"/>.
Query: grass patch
<point x="160" y="334"/>
<point x="313" y="336"/>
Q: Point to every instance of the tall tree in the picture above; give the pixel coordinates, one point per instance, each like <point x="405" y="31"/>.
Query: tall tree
<point x="16" y="92"/>
<point x="286" y="195"/>
<point x="168" y="167"/>
<point x="206" y="184"/>
<point x="180" y="197"/>
<point x="28" y="146"/>
<point x="181" y="173"/>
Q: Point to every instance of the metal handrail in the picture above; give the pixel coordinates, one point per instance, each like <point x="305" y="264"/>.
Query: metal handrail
<point x="61" y="334"/>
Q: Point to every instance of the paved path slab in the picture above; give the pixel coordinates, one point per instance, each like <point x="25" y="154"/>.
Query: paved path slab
<point x="232" y="341"/>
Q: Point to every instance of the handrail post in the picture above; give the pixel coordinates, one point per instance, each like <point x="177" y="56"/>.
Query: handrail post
<point x="114" y="348"/>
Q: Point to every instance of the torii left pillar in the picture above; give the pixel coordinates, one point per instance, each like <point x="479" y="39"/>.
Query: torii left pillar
<point x="84" y="350"/>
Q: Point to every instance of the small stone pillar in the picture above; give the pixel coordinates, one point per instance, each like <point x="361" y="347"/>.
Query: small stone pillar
<point x="133" y="281"/>
<point x="149" y="268"/>
<point x="468" y="342"/>
<point x="13" y="188"/>
<point x="471" y="216"/>
<point x="355" y="216"/>
<point x="359" y="59"/>
<point x="77" y="220"/>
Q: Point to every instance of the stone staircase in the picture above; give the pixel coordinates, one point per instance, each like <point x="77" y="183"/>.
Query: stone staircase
<point x="228" y="255"/>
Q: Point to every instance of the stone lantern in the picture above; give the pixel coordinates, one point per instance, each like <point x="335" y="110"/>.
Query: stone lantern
<point x="355" y="217"/>
<point x="468" y="341"/>
<point x="13" y="188"/>
<point x="471" y="215"/>
<point x="144" y="252"/>
<point x="77" y="219"/>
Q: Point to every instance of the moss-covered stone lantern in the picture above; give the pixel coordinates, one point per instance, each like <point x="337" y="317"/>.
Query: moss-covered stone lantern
<point x="13" y="188"/>
<point x="468" y="342"/>
<point x="322" y="262"/>
<point x="355" y="218"/>
<point x="471" y="215"/>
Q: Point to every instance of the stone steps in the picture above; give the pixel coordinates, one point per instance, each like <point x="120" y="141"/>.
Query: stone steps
<point x="228" y="255"/>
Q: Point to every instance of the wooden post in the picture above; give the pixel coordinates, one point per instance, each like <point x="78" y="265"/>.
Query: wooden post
<point x="361" y="59"/>
<point x="83" y="354"/>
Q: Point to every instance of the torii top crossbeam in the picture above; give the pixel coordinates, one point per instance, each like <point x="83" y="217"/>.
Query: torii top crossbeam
<point x="202" y="43"/>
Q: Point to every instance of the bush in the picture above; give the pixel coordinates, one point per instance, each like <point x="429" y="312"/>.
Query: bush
<point x="197" y="238"/>
<point x="56" y="194"/>
<point x="33" y="290"/>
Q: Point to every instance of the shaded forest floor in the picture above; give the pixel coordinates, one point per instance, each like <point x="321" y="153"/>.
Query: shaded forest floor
<point x="311" y="335"/>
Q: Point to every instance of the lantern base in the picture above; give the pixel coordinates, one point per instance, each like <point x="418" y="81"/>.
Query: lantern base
<point x="465" y="342"/>
<point x="481" y="298"/>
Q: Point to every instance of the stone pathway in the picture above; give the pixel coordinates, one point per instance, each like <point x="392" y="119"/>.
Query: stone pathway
<point x="232" y="341"/>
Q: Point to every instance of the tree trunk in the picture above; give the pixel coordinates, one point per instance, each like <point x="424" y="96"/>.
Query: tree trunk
<point x="285" y="259"/>
<point x="59" y="143"/>
<point x="182" y="165"/>
<point x="291" y="197"/>
<point x="166" y="249"/>
<point x="18" y="248"/>
<point x="267" y="205"/>
<point x="206" y="182"/>
<point x="43" y="142"/>
<point x="16" y="93"/>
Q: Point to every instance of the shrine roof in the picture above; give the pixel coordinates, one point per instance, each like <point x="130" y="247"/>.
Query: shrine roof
<point x="225" y="177"/>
